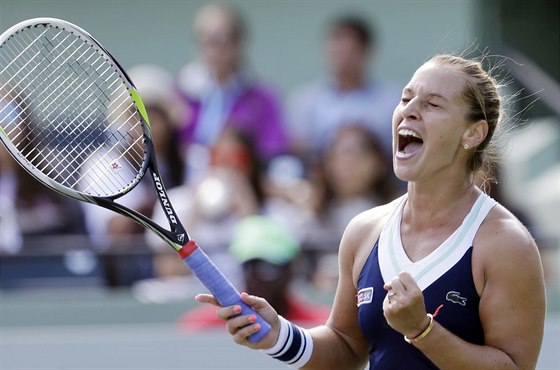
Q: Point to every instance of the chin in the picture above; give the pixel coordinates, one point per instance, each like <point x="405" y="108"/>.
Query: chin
<point x="404" y="177"/>
<point x="402" y="171"/>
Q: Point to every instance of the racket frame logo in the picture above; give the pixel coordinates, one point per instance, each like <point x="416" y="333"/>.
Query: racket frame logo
<point x="164" y="199"/>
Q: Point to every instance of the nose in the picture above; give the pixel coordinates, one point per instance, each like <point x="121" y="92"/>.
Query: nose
<point x="410" y="110"/>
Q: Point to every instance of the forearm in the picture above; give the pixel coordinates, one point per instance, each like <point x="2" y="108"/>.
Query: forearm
<point x="449" y="352"/>
<point x="331" y="350"/>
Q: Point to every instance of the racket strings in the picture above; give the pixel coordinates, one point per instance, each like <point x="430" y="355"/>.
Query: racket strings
<point x="73" y="117"/>
<point x="60" y="102"/>
<point x="116" y="144"/>
<point x="44" y="78"/>
<point x="35" y="53"/>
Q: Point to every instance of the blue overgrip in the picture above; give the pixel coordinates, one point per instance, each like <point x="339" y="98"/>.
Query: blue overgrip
<point x="220" y="287"/>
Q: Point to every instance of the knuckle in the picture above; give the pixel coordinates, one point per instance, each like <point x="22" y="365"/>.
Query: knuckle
<point x="220" y="313"/>
<point x="237" y="339"/>
<point x="231" y="328"/>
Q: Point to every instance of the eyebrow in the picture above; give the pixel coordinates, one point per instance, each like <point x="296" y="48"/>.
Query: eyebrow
<point x="431" y="95"/>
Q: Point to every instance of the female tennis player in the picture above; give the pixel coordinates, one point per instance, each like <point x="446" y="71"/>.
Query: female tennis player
<point x="443" y="277"/>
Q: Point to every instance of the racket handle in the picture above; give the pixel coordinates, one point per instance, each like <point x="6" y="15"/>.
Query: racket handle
<point x="218" y="285"/>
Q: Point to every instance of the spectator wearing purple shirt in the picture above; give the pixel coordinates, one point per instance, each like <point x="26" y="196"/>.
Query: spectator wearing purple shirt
<point x="221" y="92"/>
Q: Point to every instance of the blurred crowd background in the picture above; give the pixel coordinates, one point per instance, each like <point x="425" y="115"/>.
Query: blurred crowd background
<point x="272" y="127"/>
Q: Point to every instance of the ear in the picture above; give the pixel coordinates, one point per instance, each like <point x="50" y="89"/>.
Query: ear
<point x="475" y="133"/>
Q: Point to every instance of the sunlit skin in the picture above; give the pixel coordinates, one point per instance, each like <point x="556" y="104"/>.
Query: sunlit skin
<point x="506" y="266"/>
<point x="432" y="106"/>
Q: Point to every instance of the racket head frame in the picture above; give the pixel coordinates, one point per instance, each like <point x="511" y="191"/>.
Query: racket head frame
<point x="177" y="236"/>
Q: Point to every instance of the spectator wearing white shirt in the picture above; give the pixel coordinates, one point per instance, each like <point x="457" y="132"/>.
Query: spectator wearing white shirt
<point x="348" y="95"/>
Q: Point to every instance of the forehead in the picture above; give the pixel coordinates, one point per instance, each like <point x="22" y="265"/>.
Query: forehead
<point x="436" y="79"/>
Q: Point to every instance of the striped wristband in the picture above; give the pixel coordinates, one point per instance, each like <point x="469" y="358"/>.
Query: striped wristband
<point x="294" y="345"/>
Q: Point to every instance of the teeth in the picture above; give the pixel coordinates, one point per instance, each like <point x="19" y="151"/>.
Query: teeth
<point x="406" y="132"/>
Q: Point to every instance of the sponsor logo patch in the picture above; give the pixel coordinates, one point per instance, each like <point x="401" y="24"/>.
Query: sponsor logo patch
<point x="365" y="296"/>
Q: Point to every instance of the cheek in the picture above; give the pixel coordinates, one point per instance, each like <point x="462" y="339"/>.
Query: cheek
<point x="397" y="118"/>
<point x="446" y="141"/>
<point x="397" y="115"/>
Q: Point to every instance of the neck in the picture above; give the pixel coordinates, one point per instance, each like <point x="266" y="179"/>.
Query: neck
<point x="350" y="81"/>
<point x="436" y="205"/>
<point x="223" y="75"/>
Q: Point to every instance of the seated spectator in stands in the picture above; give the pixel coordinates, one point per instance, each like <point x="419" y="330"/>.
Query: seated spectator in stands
<point x="114" y="233"/>
<point x="41" y="211"/>
<point x="354" y="175"/>
<point x="347" y="95"/>
<point x="223" y="92"/>
<point x="10" y="233"/>
<point x="163" y="106"/>
<point x="211" y="206"/>
<point x="36" y="211"/>
<point x="166" y="112"/>
<point x="267" y="253"/>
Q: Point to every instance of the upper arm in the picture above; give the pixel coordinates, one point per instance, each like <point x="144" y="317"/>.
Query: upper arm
<point x="344" y="314"/>
<point x="512" y="304"/>
<point x="341" y="344"/>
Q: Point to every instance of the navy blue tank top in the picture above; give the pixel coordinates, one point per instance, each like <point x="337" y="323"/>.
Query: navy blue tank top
<point x="445" y="277"/>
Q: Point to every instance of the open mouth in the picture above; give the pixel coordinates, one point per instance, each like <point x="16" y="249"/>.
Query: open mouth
<point x="409" y="143"/>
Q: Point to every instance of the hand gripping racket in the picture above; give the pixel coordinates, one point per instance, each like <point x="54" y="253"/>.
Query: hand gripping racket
<point x="72" y="118"/>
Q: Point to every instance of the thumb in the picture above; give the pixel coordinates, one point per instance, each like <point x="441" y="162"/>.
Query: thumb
<point x="254" y="301"/>
<point x="262" y="307"/>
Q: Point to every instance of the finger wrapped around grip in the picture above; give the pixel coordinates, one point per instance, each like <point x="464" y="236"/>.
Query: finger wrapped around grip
<point x="220" y="287"/>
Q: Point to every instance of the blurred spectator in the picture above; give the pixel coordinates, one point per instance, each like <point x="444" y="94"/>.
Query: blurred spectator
<point x="29" y="209"/>
<point x="353" y="176"/>
<point x="114" y="233"/>
<point x="41" y="211"/>
<point x="165" y="111"/>
<point x="10" y="234"/>
<point x="210" y="207"/>
<point x="222" y="91"/>
<point x="267" y="253"/>
<point x="289" y="193"/>
<point x="348" y="95"/>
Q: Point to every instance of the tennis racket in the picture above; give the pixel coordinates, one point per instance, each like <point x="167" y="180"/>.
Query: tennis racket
<point x="70" y="115"/>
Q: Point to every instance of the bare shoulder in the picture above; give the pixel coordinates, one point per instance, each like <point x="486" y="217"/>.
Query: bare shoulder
<point x="508" y="275"/>
<point x="360" y="236"/>
<point x="503" y="233"/>
<point x="502" y="245"/>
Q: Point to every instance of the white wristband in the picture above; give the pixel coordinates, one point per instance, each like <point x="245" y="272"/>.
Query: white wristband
<point x="282" y="337"/>
<point x="294" y="345"/>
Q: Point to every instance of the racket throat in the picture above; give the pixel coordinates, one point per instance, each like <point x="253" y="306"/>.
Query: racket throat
<point x="188" y="249"/>
<point x="164" y="200"/>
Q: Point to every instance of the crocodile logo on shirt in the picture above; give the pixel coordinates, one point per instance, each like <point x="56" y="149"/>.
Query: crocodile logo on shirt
<point x="455" y="297"/>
